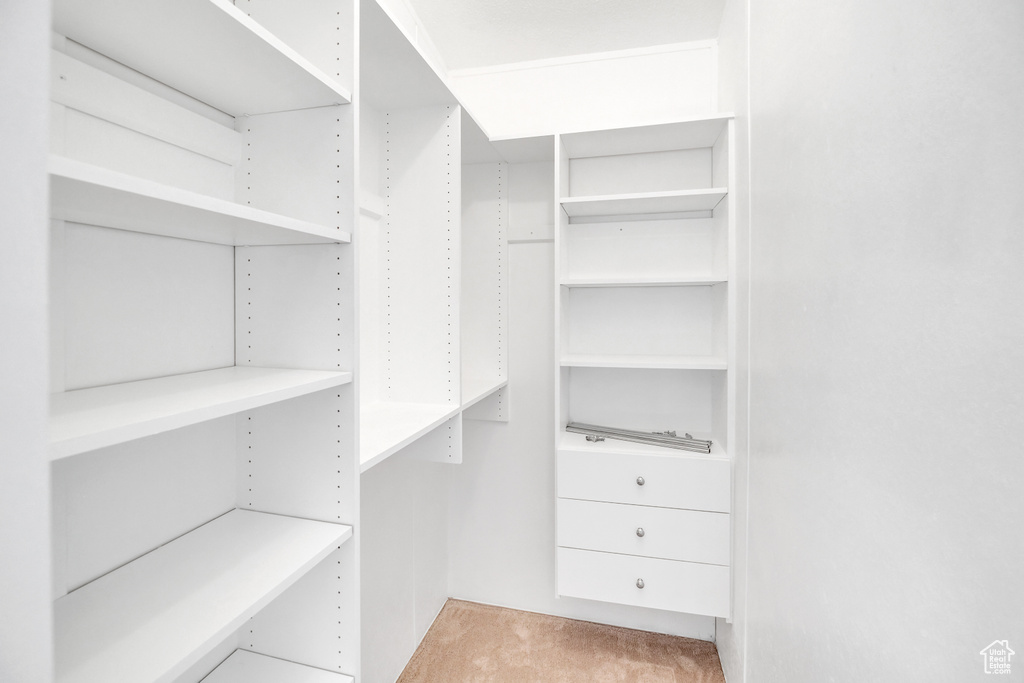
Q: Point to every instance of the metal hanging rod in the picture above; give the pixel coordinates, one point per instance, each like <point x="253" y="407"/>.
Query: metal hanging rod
<point x="667" y="439"/>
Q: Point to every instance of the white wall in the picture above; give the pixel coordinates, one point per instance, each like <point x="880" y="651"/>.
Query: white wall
<point x="502" y="505"/>
<point x="606" y="90"/>
<point x="25" y="640"/>
<point x="887" y="414"/>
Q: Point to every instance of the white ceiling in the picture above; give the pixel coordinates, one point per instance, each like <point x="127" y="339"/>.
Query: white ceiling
<point x="475" y="33"/>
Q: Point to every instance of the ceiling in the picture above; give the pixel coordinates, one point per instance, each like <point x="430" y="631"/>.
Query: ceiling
<point x="477" y="33"/>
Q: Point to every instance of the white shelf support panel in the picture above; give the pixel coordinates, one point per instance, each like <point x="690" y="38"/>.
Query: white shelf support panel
<point x="151" y="619"/>
<point x="88" y="194"/>
<point x="386" y="428"/>
<point x="208" y="49"/>
<point x="248" y="667"/>
<point x="644" y="203"/>
<point x="87" y="419"/>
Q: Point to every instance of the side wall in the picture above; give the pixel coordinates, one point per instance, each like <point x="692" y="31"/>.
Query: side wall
<point x="886" y="407"/>
<point x="606" y="90"/>
<point x="25" y="628"/>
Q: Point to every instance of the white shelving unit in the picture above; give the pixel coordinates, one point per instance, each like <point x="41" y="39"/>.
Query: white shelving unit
<point x="202" y="428"/>
<point x="646" y="340"/>
<point x="248" y="667"/>
<point x="151" y="619"/>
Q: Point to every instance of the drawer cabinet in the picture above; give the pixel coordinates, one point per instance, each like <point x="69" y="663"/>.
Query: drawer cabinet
<point x="646" y="531"/>
<point x="666" y="584"/>
<point x="674" y="480"/>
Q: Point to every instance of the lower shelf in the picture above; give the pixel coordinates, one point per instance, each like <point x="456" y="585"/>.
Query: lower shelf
<point x="386" y="428"/>
<point x="590" y="360"/>
<point x="151" y="619"/>
<point x="248" y="667"/>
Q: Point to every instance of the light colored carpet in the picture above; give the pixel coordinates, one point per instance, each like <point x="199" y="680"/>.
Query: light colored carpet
<point x="472" y="643"/>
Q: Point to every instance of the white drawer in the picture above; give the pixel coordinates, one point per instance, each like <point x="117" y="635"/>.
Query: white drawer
<point x="648" y="531"/>
<point x="669" y="585"/>
<point x="672" y="480"/>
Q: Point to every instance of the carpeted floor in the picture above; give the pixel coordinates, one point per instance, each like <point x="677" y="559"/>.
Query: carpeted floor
<point x="471" y="643"/>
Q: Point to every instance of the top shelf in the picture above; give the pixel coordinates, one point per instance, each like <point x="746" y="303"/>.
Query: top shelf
<point x="208" y="49"/>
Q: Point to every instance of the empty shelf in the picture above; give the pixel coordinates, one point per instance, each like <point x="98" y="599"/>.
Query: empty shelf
<point x="585" y="360"/>
<point x="578" y="442"/>
<point x="248" y="667"/>
<point x="87" y="419"/>
<point x="644" y="281"/>
<point x="151" y="619"/>
<point x="678" y="201"/>
<point x="386" y="428"/>
<point x="84" y="193"/>
<point x="475" y="390"/>
<point x="208" y="49"/>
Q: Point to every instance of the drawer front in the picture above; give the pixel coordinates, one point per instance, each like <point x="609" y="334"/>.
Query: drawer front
<point x="673" y="481"/>
<point x="647" y="531"/>
<point x="668" y="585"/>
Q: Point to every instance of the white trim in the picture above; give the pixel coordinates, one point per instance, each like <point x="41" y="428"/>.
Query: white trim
<point x="583" y="58"/>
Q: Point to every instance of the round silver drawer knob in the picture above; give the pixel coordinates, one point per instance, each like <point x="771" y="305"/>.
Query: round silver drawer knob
<point x="639" y="583"/>
<point x="640" y="481"/>
<point x="640" y="531"/>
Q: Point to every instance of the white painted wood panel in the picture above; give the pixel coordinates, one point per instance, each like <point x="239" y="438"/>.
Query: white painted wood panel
<point x="531" y="203"/>
<point x="121" y="502"/>
<point x="139" y="306"/>
<point x="684" y="249"/>
<point x="668" y="585"/>
<point x="683" y="169"/>
<point x="684" y="134"/>
<point x="88" y="194"/>
<point x="484" y="287"/>
<point x="149" y="620"/>
<point x="208" y="49"/>
<point x="249" y="667"/>
<point x="87" y="89"/>
<point x="293" y="307"/>
<point x="674" y="480"/>
<point x="643" y="280"/>
<point x="87" y="419"/>
<point x="652" y="321"/>
<point x="684" y="535"/>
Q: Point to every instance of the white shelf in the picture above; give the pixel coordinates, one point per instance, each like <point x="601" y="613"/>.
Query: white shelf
<point x="386" y="428"/>
<point x="578" y="442"/>
<point x="475" y="390"/>
<point x="644" y="281"/>
<point x="581" y="360"/>
<point x="640" y="203"/>
<point x="86" y="419"/>
<point x="151" y="619"/>
<point x="208" y="49"/>
<point x="84" y="193"/>
<point x="248" y="667"/>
